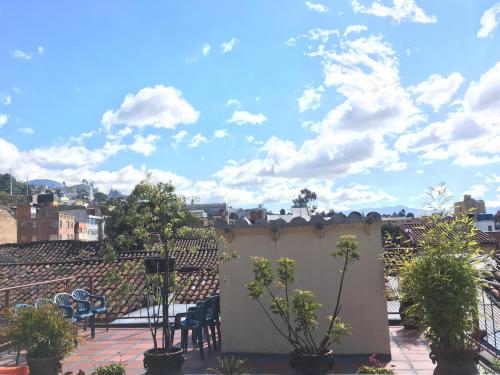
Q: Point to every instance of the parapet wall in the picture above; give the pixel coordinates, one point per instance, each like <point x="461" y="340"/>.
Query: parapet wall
<point x="244" y="325"/>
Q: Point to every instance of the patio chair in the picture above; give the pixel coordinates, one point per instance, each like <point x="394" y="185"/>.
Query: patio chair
<point x="83" y="312"/>
<point x="43" y="302"/>
<point x="16" y="309"/>
<point x="98" y="308"/>
<point x="195" y="319"/>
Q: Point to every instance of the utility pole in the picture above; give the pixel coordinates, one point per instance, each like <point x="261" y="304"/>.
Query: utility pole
<point x="10" y="172"/>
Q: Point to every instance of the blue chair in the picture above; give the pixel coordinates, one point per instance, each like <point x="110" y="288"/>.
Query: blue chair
<point x="83" y="312"/>
<point x="98" y="307"/>
<point x="16" y="310"/>
<point x="195" y="319"/>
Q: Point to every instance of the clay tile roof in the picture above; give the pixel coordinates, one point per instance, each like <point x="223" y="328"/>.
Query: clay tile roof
<point x="416" y="231"/>
<point x="22" y="264"/>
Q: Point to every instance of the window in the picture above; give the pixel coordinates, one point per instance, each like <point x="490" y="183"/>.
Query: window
<point x="68" y="236"/>
<point x="67" y="224"/>
<point x="60" y="223"/>
<point x="490" y="229"/>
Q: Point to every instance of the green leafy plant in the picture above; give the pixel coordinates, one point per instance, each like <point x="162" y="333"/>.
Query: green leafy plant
<point x="42" y="332"/>
<point x="230" y="365"/>
<point x="112" y="369"/>
<point x="294" y="315"/>
<point x="374" y="367"/>
<point x="443" y="281"/>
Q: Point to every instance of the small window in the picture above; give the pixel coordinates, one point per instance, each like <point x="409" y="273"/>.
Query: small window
<point x="490" y="229"/>
<point x="60" y="223"/>
<point x="67" y="224"/>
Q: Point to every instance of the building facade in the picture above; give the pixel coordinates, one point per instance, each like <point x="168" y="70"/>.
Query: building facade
<point x="8" y="226"/>
<point x="470" y="205"/>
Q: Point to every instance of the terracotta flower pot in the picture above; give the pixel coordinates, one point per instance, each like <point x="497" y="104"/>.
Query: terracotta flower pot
<point x="453" y="362"/>
<point x="44" y="366"/>
<point x="162" y="361"/>
<point x="318" y="364"/>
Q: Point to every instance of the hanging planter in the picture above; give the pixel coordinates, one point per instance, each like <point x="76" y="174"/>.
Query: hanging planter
<point x="156" y="264"/>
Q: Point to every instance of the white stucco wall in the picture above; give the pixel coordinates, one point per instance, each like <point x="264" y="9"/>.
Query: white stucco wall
<point x="246" y="328"/>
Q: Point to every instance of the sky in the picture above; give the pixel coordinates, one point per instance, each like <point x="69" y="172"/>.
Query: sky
<point x="365" y="102"/>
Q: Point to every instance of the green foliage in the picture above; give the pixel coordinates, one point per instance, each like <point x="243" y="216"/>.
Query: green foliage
<point x="42" y="332"/>
<point x="112" y="369"/>
<point x="443" y="282"/>
<point x="230" y="365"/>
<point x="305" y="197"/>
<point x="295" y="316"/>
<point x="12" y="200"/>
<point x="18" y="188"/>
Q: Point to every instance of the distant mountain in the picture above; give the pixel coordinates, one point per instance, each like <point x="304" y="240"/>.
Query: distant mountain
<point x="388" y="210"/>
<point x="46" y="182"/>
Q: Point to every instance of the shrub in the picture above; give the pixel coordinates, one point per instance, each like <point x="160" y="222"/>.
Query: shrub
<point x="112" y="369"/>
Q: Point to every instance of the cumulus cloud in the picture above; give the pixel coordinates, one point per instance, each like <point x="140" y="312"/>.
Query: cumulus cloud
<point x="205" y="49"/>
<point x="316" y="7"/>
<point x="221" y="133"/>
<point x="310" y="99"/>
<point x="5" y="99"/>
<point x="28" y="131"/>
<point x="228" y="46"/>
<point x="145" y="145"/>
<point x="197" y="140"/>
<point x="489" y="21"/>
<point x="178" y="137"/>
<point x="354" y="29"/>
<point x="477" y="191"/>
<point x="159" y="106"/>
<point x="3" y="119"/>
<point x="244" y="117"/>
<point x="470" y="134"/>
<point x="232" y="101"/>
<point x="401" y="10"/>
<point x="20" y="55"/>
<point x="436" y="90"/>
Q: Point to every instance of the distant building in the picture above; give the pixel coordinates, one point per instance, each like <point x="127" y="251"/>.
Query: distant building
<point x="200" y="215"/>
<point x="81" y="231"/>
<point x="295" y="212"/>
<point x="477" y="206"/>
<point x="490" y="224"/>
<point x="8" y="226"/>
<point x="214" y="211"/>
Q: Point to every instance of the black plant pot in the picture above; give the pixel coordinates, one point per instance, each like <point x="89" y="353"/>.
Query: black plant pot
<point x="453" y="362"/>
<point x="156" y="264"/>
<point x="162" y="361"/>
<point x="44" y="366"/>
<point x="317" y="364"/>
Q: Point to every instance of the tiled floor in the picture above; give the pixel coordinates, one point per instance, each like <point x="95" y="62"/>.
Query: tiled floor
<point x="409" y="355"/>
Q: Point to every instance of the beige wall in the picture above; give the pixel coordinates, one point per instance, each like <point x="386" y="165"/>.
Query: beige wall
<point x="8" y="227"/>
<point x="244" y="325"/>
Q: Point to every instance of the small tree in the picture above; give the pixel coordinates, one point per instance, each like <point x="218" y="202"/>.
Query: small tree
<point x="294" y="316"/>
<point x="305" y="198"/>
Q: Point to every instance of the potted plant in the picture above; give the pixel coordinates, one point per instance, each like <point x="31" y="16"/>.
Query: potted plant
<point x="374" y="367"/>
<point x="111" y="369"/>
<point x="45" y="335"/>
<point x="294" y="316"/>
<point x="443" y="284"/>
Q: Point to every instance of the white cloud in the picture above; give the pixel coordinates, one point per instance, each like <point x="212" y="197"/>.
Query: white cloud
<point x="316" y="7"/>
<point x="28" y="131"/>
<point x="228" y="46"/>
<point x="489" y="21"/>
<point x="5" y="99"/>
<point x="251" y="139"/>
<point x="178" y="137"/>
<point x="354" y="29"/>
<point x="316" y="34"/>
<point x="158" y="106"/>
<point x="196" y="140"/>
<point x="145" y="145"/>
<point x="232" y="101"/>
<point x="3" y="119"/>
<point x="244" y="117"/>
<point x="40" y="50"/>
<point x="310" y="99"/>
<point x="206" y="49"/>
<point x="419" y="171"/>
<point x="401" y="10"/>
<point x="469" y="135"/>
<point x="365" y="71"/>
<point x="477" y="191"/>
<point x="221" y="133"/>
<point x="20" y="55"/>
<point x="436" y="90"/>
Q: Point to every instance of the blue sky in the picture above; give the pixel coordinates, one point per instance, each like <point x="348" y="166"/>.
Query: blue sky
<point x="366" y="102"/>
